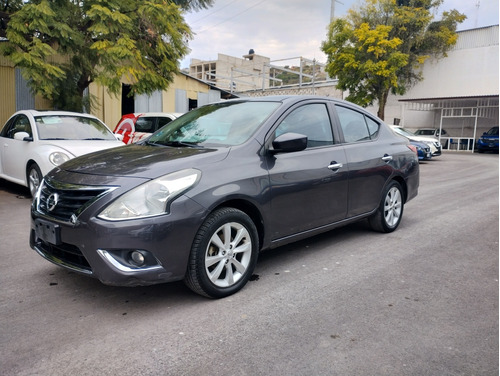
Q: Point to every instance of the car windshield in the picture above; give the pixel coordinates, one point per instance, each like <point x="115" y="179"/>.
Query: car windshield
<point x="223" y="123"/>
<point x="493" y="132"/>
<point x="68" y="127"/>
<point x="425" y="132"/>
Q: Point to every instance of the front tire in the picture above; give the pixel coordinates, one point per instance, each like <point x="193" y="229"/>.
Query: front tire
<point x="390" y="211"/>
<point x="34" y="178"/>
<point x="223" y="254"/>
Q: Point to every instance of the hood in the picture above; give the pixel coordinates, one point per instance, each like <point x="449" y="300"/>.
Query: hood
<point x="141" y="161"/>
<point x="424" y="139"/>
<point x="77" y="148"/>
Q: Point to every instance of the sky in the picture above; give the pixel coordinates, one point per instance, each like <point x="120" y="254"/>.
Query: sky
<point x="288" y="29"/>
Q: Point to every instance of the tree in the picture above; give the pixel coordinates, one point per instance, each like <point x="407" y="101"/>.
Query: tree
<point x="382" y="47"/>
<point x="61" y="46"/>
<point x="10" y="6"/>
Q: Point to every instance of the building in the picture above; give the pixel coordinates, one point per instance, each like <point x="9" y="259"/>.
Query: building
<point x="251" y="72"/>
<point x="459" y="93"/>
<point x="255" y="75"/>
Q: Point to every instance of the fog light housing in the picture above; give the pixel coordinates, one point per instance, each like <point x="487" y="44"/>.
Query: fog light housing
<point x="130" y="260"/>
<point x="137" y="258"/>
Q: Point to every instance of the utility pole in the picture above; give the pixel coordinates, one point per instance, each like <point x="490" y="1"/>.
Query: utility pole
<point x="477" y="13"/>
<point x="332" y="9"/>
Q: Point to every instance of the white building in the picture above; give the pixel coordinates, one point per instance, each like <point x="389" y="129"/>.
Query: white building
<point x="459" y="93"/>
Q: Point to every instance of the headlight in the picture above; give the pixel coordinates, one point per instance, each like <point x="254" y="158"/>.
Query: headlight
<point x="152" y="198"/>
<point x="57" y="158"/>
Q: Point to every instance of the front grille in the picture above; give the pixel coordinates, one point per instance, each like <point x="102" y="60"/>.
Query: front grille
<point x="63" y="254"/>
<point x="62" y="203"/>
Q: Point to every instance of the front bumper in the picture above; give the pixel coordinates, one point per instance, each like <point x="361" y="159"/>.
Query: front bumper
<point x="102" y="249"/>
<point x="437" y="152"/>
<point x="487" y="145"/>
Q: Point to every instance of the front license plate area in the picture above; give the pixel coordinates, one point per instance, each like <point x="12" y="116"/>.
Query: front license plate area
<point x="48" y="231"/>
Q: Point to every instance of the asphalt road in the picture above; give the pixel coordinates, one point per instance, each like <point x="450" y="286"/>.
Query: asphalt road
<point x="420" y="301"/>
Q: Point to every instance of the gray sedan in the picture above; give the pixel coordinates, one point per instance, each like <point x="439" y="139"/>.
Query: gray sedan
<point x="203" y="195"/>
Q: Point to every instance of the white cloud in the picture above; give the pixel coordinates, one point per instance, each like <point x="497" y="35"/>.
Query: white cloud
<point x="289" y="28"/>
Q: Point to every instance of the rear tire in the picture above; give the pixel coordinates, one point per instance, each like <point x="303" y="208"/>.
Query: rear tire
<point x="390" y="211"/>
<point x="34" y="178"/>
<point x="223" y="254"/>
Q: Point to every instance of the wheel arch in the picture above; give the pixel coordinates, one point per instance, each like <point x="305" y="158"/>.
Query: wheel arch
<point x="29" y="163"/>
<point x="249" y="209"/>
<point x="404" y="187"/>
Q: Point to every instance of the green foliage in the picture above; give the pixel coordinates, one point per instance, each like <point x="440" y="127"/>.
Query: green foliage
<point x="194" y="4"/>
<point x="381" y="47"/>
<point x="62" y="46"/>
<point x="10" y="6"/>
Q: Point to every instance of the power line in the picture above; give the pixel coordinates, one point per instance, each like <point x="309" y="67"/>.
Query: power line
<point x="215" y="11"/>
<point x="230" y="18"/>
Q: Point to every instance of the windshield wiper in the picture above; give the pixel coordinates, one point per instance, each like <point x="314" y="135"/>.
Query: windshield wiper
<point x="173" y="144"/>
<point x="182" y="144"/>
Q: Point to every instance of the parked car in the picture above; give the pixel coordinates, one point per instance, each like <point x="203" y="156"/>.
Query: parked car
<point x="488" y="141"/>
<point x="201" y="197"/>
<point x="434" y="144"/>
<point x="423" y="150"/>
<point x="34" y="142"/>
<point x="434" y="132"/>
<point x="134" y="127"/>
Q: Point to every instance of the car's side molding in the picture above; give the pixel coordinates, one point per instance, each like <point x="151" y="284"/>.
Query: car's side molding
<point x="315" y="231"/>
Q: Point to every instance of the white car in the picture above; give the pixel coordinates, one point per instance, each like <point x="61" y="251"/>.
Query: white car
<point x="34" y="142"/>
<point x="137" y="126"/>
<point x="434" y="144"/>
<point x="434" y="132"/>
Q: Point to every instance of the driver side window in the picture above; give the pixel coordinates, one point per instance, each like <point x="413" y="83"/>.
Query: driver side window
<point x="20" y="124"/>
<point x="310" y="120"/>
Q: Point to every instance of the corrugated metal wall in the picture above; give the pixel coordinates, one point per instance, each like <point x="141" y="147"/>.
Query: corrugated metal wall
<point x="149" y="103"/>
<point x="25" y="100"/>
<point x="7" y="88"/>
<point x="475" y="38"/>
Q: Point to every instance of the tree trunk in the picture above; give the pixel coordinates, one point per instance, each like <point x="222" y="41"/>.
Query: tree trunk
<point x="382" y="101"/>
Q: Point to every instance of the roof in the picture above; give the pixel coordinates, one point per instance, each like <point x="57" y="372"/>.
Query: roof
<point x="458" y="101"/>
<point x="225" y="94"/>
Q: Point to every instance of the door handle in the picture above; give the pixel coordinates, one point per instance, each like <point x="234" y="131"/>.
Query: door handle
<point x="387" y="158"/>
<point x="334" y="166"/>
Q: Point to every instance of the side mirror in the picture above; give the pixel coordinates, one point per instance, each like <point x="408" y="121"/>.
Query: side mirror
<point x="289" y="142"/>
<point x="22" y="136"/>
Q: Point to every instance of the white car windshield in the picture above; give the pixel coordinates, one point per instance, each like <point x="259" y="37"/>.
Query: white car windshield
<point x="62" y="127"/>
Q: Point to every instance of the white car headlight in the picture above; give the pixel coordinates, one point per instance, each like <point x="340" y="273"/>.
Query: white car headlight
<point x="151" y="198"/>
<point x="57" y="158"/>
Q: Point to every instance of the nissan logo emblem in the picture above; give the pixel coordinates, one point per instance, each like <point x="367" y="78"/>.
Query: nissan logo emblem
<point x="52" y="201"/>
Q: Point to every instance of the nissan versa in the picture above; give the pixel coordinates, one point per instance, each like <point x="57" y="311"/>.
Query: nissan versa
<point x="203" y="195"/>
